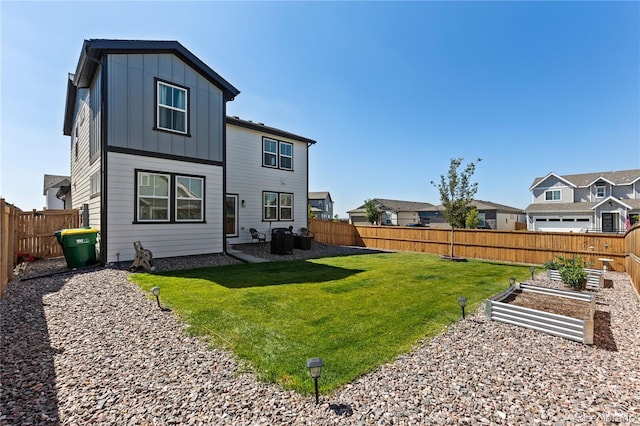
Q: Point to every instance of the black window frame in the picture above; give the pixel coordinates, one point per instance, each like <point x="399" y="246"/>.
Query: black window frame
<point x="278" y="154"/>
<point x="278" y="206"/>
<point x="172" y="207"/>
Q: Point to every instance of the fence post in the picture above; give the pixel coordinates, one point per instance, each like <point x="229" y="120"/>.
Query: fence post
<point x="85" y="215"/>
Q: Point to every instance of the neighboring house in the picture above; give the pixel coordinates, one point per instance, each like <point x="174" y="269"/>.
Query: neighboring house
<point x="392" y="212"/>
<point x="266" y="179"/>
<point x="155" y="158"/>
<point x="56" y="191"/>
<point x="589" y="202"/>
<point x="491" y="215"/>
<point x="321" y="205"/>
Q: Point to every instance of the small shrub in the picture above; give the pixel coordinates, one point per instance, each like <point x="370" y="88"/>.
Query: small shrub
<point x="551" y="264"/>
<point x="572" y="272"/>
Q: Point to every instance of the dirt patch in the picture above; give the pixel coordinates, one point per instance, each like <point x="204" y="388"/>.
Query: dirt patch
<point x="553" y="304"/>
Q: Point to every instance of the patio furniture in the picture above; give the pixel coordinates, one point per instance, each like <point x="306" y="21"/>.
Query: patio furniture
<point x="281" y="241"/>
<point x="255" y="235"/>
<point x="306" y="233"/>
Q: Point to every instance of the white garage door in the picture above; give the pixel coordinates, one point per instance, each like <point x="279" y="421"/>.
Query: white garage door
<point x="569" y="224"/>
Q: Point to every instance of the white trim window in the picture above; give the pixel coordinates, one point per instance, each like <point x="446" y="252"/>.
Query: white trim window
<point x="189" y="198"/>
<point x="600" y="191"/>
<point x="171" y="114"/>
<point x="286" y="206"/>
<point x="94" y="184"/>
<point x="270" y="153"/>
<point x="277" y="154"/>
<point x="270" y="206"/>
<point x="286" y="155"/>
<point x="153" y="197"/>
<point x="277" y="206"/>
<point x="553" y="195"/>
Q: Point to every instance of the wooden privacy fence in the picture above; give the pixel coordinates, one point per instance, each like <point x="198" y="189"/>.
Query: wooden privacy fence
<point x="36" y="228"/>
<point x="507" y="246"/>
<point x="632" y="261"/>
<point x="31" y="234"/>
<point x="8" y="242"/>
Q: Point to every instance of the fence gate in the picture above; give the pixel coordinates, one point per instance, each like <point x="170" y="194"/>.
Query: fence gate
<point x="36" y="228"/>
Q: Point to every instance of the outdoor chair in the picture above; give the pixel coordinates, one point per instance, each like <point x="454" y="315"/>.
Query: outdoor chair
<point x="306" y="233"/>
<point x="255" y="235"/>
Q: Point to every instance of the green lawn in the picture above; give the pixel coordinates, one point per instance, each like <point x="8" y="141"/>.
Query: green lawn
<point x="355" y="312"/>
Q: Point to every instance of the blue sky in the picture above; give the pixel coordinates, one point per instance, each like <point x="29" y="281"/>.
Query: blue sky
<point x="391" y="91"/>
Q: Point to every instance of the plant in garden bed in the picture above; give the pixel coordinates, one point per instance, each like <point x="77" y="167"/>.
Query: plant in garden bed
<point x="572" y="272"/>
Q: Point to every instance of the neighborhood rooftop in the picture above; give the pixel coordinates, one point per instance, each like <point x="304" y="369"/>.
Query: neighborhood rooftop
<point x="620" y="177"/>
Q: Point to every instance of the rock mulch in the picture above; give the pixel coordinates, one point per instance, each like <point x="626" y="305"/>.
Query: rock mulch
<point x="90" y="347"/>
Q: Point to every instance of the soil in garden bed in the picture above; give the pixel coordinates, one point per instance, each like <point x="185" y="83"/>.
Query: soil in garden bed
<point x="553" y="304"/>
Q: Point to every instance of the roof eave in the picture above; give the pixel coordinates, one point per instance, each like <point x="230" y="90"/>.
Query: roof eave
<point x="72" y="92"/>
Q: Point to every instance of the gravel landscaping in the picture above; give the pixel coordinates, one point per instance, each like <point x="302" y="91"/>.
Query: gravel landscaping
<point x="88" y="347"/>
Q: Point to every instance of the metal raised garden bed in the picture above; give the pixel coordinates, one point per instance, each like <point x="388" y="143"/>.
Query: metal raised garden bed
<point x="557" y="325"/>
<point x="595" y="277"/>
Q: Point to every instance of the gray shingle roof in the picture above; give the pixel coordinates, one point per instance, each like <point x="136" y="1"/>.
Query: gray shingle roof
<point x="53" y="180"/>
<point x="397" y="206"/>
<point x="260" y="127"/>
<point x="487" y="205"/>
<point x="621" y="177"/>
<point x="319" y="195"/>
<point x="585" y="207"/>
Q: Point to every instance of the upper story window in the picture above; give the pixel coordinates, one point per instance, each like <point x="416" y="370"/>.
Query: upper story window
<point x="600" y="190"/>
<point x="270" y="157"/>
<point x="277" y="154"/>
<point x="172" y="112"/>
<point x="553" y="195"/>
<point x="286" y="155"/>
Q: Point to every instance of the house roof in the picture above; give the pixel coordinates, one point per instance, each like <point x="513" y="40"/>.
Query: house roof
<point x="485" y="205"/>
<point x="560" y="207"/>
<point x="51" y="181"/>
<point x="621" y="177"/>
<point x="94" y="50"/>
<point x="585" y="207"/>
<point x="260" y="127"/>
<point x="319" y="195"/>
<point x="396" y="206"/>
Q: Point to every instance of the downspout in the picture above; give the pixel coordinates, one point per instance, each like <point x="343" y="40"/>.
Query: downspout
<point x="103" y="161"/>
<point x="224" y="179"/>
<point x="306" y="207"/>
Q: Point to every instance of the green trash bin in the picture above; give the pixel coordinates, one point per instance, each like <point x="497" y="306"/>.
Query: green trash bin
<point x="78" y="246"/>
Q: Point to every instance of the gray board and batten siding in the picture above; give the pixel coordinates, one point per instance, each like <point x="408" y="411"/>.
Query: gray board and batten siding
<point x="132" y="107"/>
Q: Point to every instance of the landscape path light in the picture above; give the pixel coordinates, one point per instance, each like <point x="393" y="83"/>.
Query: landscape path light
<point x="156" y="292"/>
<point x="512" y="281"/>
<point x="315" y="368"/>
<point x="462" y="302"/>
<point x="533" y="270"/>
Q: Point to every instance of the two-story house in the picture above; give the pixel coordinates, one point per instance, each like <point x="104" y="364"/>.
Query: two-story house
<point x="55" y="189"/>
<point x="321" y="205"/>
<point x="589" y="202"/>
<point x="149" y="154"/>
<point x="266" y="179"/>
